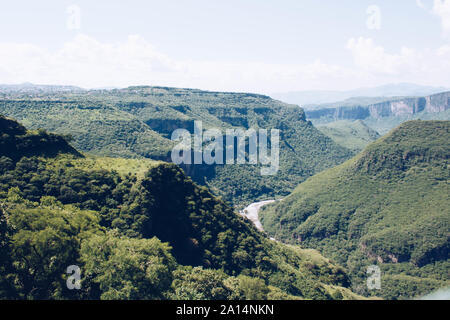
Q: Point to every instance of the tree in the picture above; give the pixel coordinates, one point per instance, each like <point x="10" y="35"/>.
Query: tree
<point x="6" y="289"/>
<point x="127" y="268"/>
<point x="200" y="284"/>
<point x="44" y="242"/>
<point x="253" y="288"/>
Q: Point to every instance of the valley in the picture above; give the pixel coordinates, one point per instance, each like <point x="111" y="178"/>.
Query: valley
<point x="60" y="205"/>
<point x="239" y="159"/>
<point x="137" y="122"/>
<point x="252" y="210"/>
<point x="352" y="197"/>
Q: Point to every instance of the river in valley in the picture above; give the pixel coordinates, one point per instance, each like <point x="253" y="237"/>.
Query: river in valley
<point x="251" y="213"/>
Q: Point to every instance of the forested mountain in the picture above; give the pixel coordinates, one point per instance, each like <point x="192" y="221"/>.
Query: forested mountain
<point x="389" y="206"/>
<point x="137" y="122"/>
<point x="137" y="229"/>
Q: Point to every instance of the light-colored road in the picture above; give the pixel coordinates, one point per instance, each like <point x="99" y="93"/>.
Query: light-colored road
<point x="251" y="212"/>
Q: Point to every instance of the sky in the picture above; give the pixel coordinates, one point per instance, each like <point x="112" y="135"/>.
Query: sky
<point x="261" y="46"/>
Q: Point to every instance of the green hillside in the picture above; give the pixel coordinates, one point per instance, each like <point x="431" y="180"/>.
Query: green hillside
<point x="138" y="229"/>
<point x="137" y="122"/>
<point x="389" y="206"/>
<point x="353" y="135"/>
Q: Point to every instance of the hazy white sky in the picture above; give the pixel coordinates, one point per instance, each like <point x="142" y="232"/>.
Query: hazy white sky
<point x="234" y="45"/>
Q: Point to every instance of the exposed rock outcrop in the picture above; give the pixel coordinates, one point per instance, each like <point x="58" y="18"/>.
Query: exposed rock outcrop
<point x="396" y="107"/>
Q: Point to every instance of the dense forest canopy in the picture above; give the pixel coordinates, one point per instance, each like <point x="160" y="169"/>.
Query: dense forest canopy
<point x="137" y="229"/>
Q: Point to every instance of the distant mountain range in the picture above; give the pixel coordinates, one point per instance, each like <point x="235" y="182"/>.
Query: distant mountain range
<point x="38" y="88"/>
<point x="308" y="99"/>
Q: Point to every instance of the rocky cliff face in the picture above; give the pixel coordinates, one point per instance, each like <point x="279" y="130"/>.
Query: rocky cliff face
<point x="407" y="106"/>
